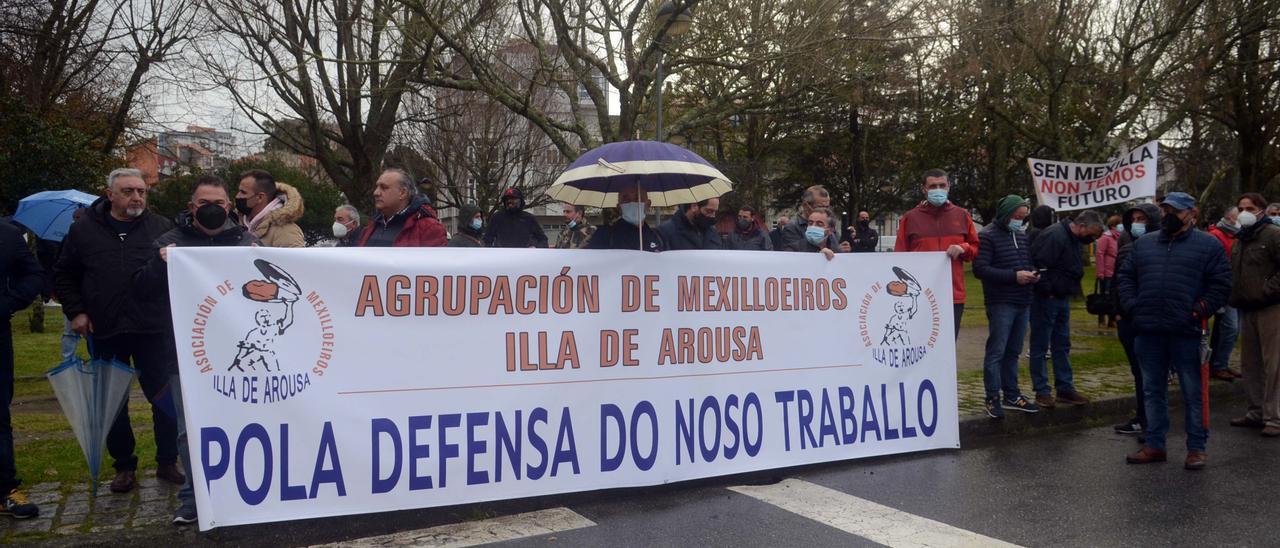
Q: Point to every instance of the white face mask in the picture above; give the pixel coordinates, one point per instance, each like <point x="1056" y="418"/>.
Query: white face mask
<point x="633" y="212"/>
<point x="339" y="230"/>
<point x="1246" y="219"/>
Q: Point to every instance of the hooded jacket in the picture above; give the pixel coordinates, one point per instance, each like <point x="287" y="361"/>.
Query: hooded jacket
<point x="1255" y="262"/>
<point x="1002" y="252"/>
<point x="1168" y="285"/>
<point x="1226" y="238"/>
<point x="1041" y="218"/>
<point x="95" y="271"/>
<point x="415" y="226"/>
<point x="679" y="234"/>
<point x="20" y="274"/>
<point x="466" y="235"/>
<point x="929" y="228"/>
<point x="514" y="228"/>
<point x="1126" y="239"/>
<point x="279" y="227"/>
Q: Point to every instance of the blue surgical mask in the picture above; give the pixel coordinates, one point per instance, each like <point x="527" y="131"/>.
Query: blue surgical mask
<point x="815" y="235"/>
<point x="1015" y="225"/>
<point x="937" y="197"/>
<point x="1138" y="229"/>
<point x="476" y="224"/>
<point x="573" y="224"/>
<point x="1275" y="219"/>
<point x="633" y="212"/>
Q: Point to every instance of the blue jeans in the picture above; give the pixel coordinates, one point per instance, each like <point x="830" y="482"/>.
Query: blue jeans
<point x="1006" y="327"/>
<point x="1159" y="355"/>
<point x="70" y="340"/>
<point x="1226" y="327"/>
<point x="186" y="494"/>
<point x="1051" y="323"/>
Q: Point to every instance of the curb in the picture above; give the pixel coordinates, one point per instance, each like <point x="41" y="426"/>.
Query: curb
<point x="979" y="430"/>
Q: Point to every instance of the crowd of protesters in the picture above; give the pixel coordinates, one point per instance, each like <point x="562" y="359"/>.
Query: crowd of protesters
<point x="1162" y="280"/>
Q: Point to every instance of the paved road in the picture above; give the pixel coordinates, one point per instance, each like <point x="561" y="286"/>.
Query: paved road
<point x="1061" y="489"/>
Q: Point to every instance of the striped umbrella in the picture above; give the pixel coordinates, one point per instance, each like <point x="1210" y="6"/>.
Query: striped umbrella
<point x="670" y="175"/>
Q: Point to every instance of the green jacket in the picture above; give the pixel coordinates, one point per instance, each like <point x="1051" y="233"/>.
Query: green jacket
<point x="1255" y="263"/>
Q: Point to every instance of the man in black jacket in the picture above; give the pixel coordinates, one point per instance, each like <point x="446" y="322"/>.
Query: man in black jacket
<point x="93" y="279"/>
<point x="1056" y="253"/>
<point x="512" y="226"/>
<point x="20" y="282"/>
<point x="775" y="235"/>
<point x="210" y="206"/>
<point x="630" y="231"/>
<point x="861" y="237"/>
<point x="692" y="227"/>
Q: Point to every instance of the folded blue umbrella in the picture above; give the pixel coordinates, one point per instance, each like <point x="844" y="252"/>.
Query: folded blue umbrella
<point x="91" y="394"/>
<point x="49" y="214"/>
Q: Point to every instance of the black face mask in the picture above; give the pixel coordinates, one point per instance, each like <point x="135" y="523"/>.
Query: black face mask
<point x="242" y="205"/>
<point x="211" y="216"/>
<point x="864" y="224"/>
<point x="1171" y="224"/>
<point x="703" y="221"/>
<point x="743" y="224"/>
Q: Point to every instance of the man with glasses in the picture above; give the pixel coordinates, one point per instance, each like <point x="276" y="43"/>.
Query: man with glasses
<point x="93" y="280"/>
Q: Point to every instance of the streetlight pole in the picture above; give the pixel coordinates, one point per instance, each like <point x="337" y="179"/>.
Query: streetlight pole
<point x="679" y="24"/>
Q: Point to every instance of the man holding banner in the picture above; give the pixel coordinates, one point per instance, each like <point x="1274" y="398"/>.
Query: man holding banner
<point x="210" y="206"/>
<point x="938" y="225"/>
<point x="1170" y="285"/>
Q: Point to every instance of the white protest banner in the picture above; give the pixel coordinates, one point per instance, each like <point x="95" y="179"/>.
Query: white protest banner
<point x="1067" y="185"/>
<point x="323" y="382"/>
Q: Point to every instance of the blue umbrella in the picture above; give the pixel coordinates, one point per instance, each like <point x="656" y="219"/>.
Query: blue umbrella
<point x="48" y="214"/>
<point x="670" y="175"/>
<point x="91" y="394"/>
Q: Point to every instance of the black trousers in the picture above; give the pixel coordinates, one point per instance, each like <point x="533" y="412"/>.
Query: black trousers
<point x="8" y="473"/>
<point x="151" y="356"/>
<point x="1124" y="330"/>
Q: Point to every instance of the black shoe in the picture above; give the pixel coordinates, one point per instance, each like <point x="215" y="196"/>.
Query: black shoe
<point x="1021" y="404"/>
<point x="1131" y="426"/>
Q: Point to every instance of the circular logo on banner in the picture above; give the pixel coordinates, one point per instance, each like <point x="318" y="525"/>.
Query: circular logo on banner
<point x="262" y="340"/>
<point x="899" y="320"/>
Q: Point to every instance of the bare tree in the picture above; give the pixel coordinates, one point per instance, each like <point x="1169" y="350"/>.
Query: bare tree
<point x="341" y="68"/>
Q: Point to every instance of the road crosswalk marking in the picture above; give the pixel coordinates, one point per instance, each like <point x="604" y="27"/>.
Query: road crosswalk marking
<point x="872" y="521"/>
<point x="472" y="533"/>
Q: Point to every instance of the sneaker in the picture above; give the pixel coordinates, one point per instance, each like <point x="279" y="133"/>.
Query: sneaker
<point x="1021" y="404"/>
<point x="17" y="505"/>
<point x="993" y="408"/>
<point x="1131" y="426"/>
<point x="184" y="516"/>
<point x="1045" y="401"/>
<point x="1072" y="398"/>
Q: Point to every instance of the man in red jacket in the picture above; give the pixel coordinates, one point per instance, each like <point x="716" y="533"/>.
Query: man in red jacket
<point x="938" y="225"/>
<point x="404" y="218"/>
